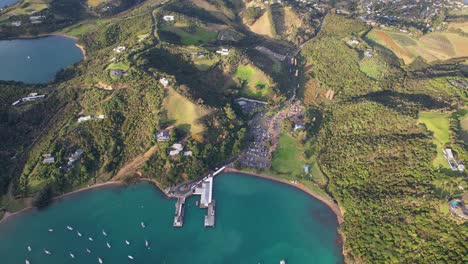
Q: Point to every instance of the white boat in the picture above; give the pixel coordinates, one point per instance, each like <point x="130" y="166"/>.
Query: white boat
<point x="146" y="243"/>
<point x="108" y="245"/>
<point x="90" y="239"/>
<point x="47" y="252"/>
<point x="100" y="260"/>
<point x="130" y="257"/>
<point x="283" y="261"/>
<point x="69" y="228"/>
<point x="29" y="248"/>
<point x="142" y="224"/>
<point x="71" y="255"/>
<point x="51" y="230"/>
<point x="104" y="233"/>
<point x="87" y="250"/>
<point x="78" y="233"/>
<point x="127" y="242"/>
<point x="27" y="262"/>
<point x="29" y="57"/>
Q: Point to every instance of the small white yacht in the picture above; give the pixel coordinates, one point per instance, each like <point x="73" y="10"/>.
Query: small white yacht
<point x="87" y="250"/>
<point x="27" y="262"/>
<point x="108" y="245"/>
<point x="100" y="260"/>
<point x="146" y="243"/>
<point x="90" y="239"/>
<point x="130" y="257"/>
<point x="47" y="252"/>
<point x="104" y="233"/>
<point x="78" y="233"/>
<point x="127" y="242"/>
<point x="71" y="255"/>
<point x="51" y="230"/>
<point x="29" y="248"/>
<point x="283" y="261"/>
<point x="142" y="224"/>
<point x="69" y="228"/>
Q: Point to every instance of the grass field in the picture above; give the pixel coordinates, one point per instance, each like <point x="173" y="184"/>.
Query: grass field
<point x="439" y="124"/>
<point x="199" y="36"/>
<point x="287" y="157"/>
<point x="205" y="63"/>
<point x="373" y="67"/>
<point x="430" y="47"/>
<point x="463" y="26"/>
<point x="262" y="26"/>
<point x="184" y="112"/>
<point x="118" y="66"/>
<point x="94" y="3"/>
<point x="256" y="83"/>
<point x="80" y="28"/>
<point x="26" y="7"/>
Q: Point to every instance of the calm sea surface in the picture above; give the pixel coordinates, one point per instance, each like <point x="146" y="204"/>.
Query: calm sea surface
<point x="4" y="3"/>
<point x="36" y="60"/>
<point x="257" y="221"/>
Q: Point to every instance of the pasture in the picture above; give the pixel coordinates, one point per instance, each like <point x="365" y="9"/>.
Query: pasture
<point x="190" y="35"/>
<point x="439" y="124"/>
<point x="253" y="81"/>
<point x="184" y="113"/>
<point x="288" y="158"/>
<point x="436" y="46"/>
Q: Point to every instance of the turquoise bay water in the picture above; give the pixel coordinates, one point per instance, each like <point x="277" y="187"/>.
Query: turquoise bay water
<point x="36" y="60"/>
<point x="257" y="221"/>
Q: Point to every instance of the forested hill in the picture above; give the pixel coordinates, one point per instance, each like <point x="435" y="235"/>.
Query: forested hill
<point x="378" y="157"/>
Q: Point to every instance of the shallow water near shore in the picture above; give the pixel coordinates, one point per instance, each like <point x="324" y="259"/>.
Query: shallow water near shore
<point x="36" y="60"/>
<point x="257" y="221"/>
<point x="5" y="3"/>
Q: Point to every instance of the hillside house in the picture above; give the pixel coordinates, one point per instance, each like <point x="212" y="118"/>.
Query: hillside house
<point x="84" y="118"/>
<point x="168" y="18"/>
<point x="75" y="157"/>
<point x="223" y="52"/>
<point x="298" y="126"/>
<point x="16" y="23"/>
<point x="162" y="136"/>
<point x="164" y="82"/>
<point x="118" y="73"/>
<point x="48" y="159"/>
<point x="119" y="49"/>
<point x="176" y="149"/>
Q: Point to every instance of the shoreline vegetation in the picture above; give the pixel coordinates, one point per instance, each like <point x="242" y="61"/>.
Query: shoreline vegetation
<point x="335" y="209"/>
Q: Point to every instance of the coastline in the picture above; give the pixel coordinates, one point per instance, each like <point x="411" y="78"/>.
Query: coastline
<point x="9" y="215"/>
<point x="334" y="207"/>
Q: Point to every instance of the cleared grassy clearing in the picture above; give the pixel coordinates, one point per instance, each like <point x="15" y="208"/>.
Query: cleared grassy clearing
<point x="288" y="158"/>
<point x="118" y="66"/>
<point x="82" y="27"/>
<point x="463" y="26"/>
<point x="94" y="3"/>
<point x="194" y="36"/>
<point x="439" y="124"/>
<point x="184" y="113"/>
<point x="373" y="67"/>
<point x="253" y="81"/>
<point x="262" y="26"/>
<point x="205" y="63"/>
<point x="26" y="7"/>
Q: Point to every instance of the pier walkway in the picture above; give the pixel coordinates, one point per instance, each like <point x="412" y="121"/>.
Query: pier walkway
<point x="202" y="187"/>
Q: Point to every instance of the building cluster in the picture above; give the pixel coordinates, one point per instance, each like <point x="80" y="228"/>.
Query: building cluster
<point x="459" y="207"/>
<point x="119" y="49"/>
<point x="164" y="82"/>
<point x="89" y="117"/>
<point x="296" y="114"/>
<point x="400" y="12"/>
<point x="168" y="18"/>
<point x="31" y="97"/>
<point x="177" y="148"/>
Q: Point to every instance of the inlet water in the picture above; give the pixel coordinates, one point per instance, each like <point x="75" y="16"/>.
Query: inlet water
<point x="257" y="221"/>
<point x="36" y="60"/>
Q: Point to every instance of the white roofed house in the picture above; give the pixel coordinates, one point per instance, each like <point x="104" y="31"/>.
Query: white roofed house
<point x="162" y="136"/>
<point x="164" y="82"/>
<point x="223" y="52"/>
<point x="176" y="149"/>
<point x="168" y="18"/>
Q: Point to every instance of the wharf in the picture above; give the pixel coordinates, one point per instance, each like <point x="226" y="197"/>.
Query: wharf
<point x="179" y="212"/>
<point x="210" y="217"/>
